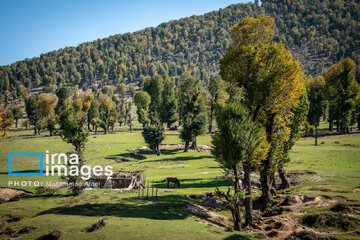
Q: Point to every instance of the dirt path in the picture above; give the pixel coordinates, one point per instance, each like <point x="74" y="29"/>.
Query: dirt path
<point x="12" y="194"/>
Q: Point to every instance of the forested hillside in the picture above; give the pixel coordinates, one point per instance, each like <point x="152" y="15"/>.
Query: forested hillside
<point x="318" y="32"/>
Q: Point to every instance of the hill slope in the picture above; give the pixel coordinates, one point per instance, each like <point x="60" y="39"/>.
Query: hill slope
<point x="318" y="32"/>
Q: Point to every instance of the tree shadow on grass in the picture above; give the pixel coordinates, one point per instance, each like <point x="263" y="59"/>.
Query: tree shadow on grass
<point x="183" y="158"/>
<point x="125" y="157"/>
<point x="196" y="183"/>
<point x="165" y="208"/>
<point x="138" y="155"/>
<point x="237" y="237"/>
<point x="162" y="151"/>
<point x="51" y="195"/>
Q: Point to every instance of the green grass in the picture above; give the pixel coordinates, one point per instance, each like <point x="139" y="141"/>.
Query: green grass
<point x="336" y="163"/>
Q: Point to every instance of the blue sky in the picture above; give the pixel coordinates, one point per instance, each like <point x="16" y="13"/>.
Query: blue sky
<point x="31" y="27"/>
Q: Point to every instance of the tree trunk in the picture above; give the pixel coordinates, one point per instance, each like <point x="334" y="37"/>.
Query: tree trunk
<point x="89" y="126"/>
<point x="237" y="189"/>
<point x="16" y="123"/>
<point x="272" y="181"/>
<point x="130" y="126"/>
<point x="186" y="147"/>
<point x="265" y="187"/>
<point x="284" y="181"/>
<point x="330" y="120"/>
<point x="330" y="125"/>
<point x="248" y="198"/>
<point x="194" y="144"/>
<point x="168" y="125"/>
<point x="237" y="218"/>
<point x="211" y="118"/>
<point x="337" y="126"/>
<point x="106" y="130"/>
<point x="95" y="130"/>
<point x="266" y="165"/>
<point x="316" y="136"/>
<point x="158" y="153"/>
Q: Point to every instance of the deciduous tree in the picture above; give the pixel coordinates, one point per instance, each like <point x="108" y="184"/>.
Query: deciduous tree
<point x="168" y="103"/>
<point x="47" y="104"/>
<point x="154" y="87"/>
<point x="33" y="112"/>
<point x="73" y="131"/>
<point x="342" y="90"/>
<point x="153" y="136"/>
<point x="240" y="141"/>
<point x="142" y="101"/>
<point x="218" y="95"/>
<point x="106" y="105"/>
<point x="269" y="76"/>
<point x="193" y="114"/>
<point x="17" y="113"/>
<point x="317" y="101"/>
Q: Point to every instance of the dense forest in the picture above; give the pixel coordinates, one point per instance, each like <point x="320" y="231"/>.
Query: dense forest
<point x="319" y="33"/>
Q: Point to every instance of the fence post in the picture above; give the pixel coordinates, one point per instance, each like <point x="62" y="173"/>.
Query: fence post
<point x="152" y="190"/>
<point x="147" y="190"/>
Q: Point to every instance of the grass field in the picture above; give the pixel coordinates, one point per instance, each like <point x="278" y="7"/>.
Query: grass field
<point x="336" y="164"/>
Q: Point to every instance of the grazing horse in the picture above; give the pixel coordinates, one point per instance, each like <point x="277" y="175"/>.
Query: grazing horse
<point x="172" y="180"/>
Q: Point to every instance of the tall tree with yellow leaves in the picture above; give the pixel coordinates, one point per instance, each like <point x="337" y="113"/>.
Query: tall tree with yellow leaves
<point x="269" y="76"/>
<point x="47" y="104"/>
<point x="6" y="120"/>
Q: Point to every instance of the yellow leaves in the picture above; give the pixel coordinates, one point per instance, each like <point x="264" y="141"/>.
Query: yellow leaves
<point x="262" y="150"/>
<point x="252" y="31"/>
<point x="96" y="122"/>
<point x="87" y="102"/>
<point x="317" y="82"/>
<point x="6" y="120"/>
<point x="47" y="103"/>
<point x="2" y="131"/>
<point x="270" y="77"/>
<point x="2" y="112"/>
<point x="278" y="77"/>
<point x="99" y="62"/>
<point x="106" y="104"/>
<point x="77" y="104"/>
<point x="346" y="65"/>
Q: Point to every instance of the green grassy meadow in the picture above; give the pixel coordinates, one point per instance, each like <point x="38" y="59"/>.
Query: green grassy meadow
<point x="336" y="164"/>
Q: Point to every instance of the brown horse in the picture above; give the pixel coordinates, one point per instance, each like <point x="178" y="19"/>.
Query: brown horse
<point x="172" y="180"/>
